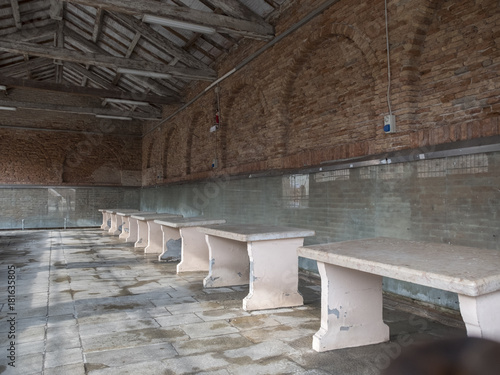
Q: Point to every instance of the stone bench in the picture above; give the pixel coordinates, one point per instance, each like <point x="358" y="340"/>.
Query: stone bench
<point x="263" y="256"/>
<point x="129" y="226"/>
<point x="106" y="217"/>
<point x="109" y="215"/>
<point x="149" y="234"/>
<point x="194" y="250"/>
<point x="351" y="285"/>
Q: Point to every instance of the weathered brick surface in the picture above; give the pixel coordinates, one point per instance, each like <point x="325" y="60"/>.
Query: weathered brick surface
<point x="320" y="94"/>
<point x="317" y="95"/>
<point x="52" y="148"/>
<point x="62" y="158"/>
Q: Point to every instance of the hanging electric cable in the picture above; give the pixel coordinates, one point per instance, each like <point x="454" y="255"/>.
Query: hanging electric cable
<point x="388" y="60"/>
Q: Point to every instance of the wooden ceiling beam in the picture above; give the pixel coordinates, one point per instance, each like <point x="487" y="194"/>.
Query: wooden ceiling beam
<point x="16" y="14"/>
<point x="89" y="91"/>
<point x="146" y="82"/>
<point x="32" y="33"/>
<point x="25" y="66"/>
<point x="105" y="61"/>
<point x="236" y="9"/>
<point x="148" y="33"/>
<point x="221" y="23"/>
<point x="78" y="110"/>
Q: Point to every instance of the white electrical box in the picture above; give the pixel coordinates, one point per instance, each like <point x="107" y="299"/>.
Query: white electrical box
<point x="390" y="124"/>
<point x="214" y="163"/>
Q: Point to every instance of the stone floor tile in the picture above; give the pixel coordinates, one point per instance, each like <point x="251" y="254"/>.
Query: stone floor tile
<point x="155" y="367"/>
<point x="129" y="339"/>
<point x="213" y="328"/>
<point x="195" y="363"/>
<point x="63" y="357"/>
<point x="121" y="357"/>
<point x="270" y="348"/>
<point x="72" y="369"/>
<point x="178" y="319"/>
<point x="245" y="323"/>
<point x="217" y="344"/>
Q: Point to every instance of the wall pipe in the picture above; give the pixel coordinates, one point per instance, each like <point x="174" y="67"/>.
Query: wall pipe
<point x="256" y="54"/>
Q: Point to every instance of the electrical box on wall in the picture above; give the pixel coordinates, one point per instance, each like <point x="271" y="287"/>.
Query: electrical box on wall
<point x="214" y="163"/>
<point x="390" y="124"/>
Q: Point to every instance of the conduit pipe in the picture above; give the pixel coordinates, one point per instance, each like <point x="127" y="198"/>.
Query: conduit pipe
<point x="250" y="58"/>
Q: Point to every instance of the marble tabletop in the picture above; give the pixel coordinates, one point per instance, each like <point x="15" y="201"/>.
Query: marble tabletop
<point x="464" y="270"/>
<point x="254" y="232"/>
<point x="154" y="216"/>
<point x="114" y="210"/>
<point x="182" y="222"/>
<point x="130" y="213"/>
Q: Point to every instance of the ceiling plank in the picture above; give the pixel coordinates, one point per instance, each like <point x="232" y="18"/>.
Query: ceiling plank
<point x="56" y="10"/>
<point x="129" y="52"/>
<point x="97" y="25"/>
<point x="25" y="66"/>
<point x="236" y="9"/>
<point x="221" y="23"/>
<point x="60" y="44"/>
<point x="157" y="39"/>
<point x="146" y="82"/>
<point x="79" y="110"/>
<point x="89" y="91"/>
<point x="103" y="60"/>
<point x="33" y="33"/>
<point x="16" y="14"/>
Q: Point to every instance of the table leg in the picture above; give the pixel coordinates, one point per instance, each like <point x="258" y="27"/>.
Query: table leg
<point x="480" y="315"/>
<point x="351" y="309"/>
<point x="274" y="278"/>
<point x="155" y="239"/>
<point x="125" y="228"/>
<point x="194" y="252"/>
<point x="133" y="229"/>
<point x="168" y="233"/>
<point x="105" y="218"/>
<point x="114" y="225"/>
<point x="228" y="262"/>
<point x="142" y="234"/>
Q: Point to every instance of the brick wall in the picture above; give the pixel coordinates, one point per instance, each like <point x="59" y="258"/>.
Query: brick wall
<point x="47" y="148"/>
<point x="320" y="94"/>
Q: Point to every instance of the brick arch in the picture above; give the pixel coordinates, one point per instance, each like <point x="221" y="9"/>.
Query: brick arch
<point x="465" y="55"/>
<point x="149" y="150"/>
<point x="173" y="156"/>
<point x="199" y="148"/>
<point x="321" y="35"/>
<point x="150" y="162"/>
<point x="327" y="115"/>
<point x="246" y="106"/>
<point x="416" y="38"/>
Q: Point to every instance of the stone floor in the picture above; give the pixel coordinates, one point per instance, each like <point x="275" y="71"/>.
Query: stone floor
<point x="87" y="303"/>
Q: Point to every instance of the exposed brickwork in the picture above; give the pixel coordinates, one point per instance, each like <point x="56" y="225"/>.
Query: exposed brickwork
<point x="320" y="94"/>
<point x="67" y="158"/>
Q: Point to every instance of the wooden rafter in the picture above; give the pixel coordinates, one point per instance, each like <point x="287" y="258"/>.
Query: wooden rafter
<point x="105" y="61"/>
<point x="94" y="48"/>
<point x="78" y="110"/>
<point x="16" y="14"/>
<point x="234" y="8"/>
<point x="108" y="92"/>
<point x="154" y="37"/>
<point x="221" y="23"/>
